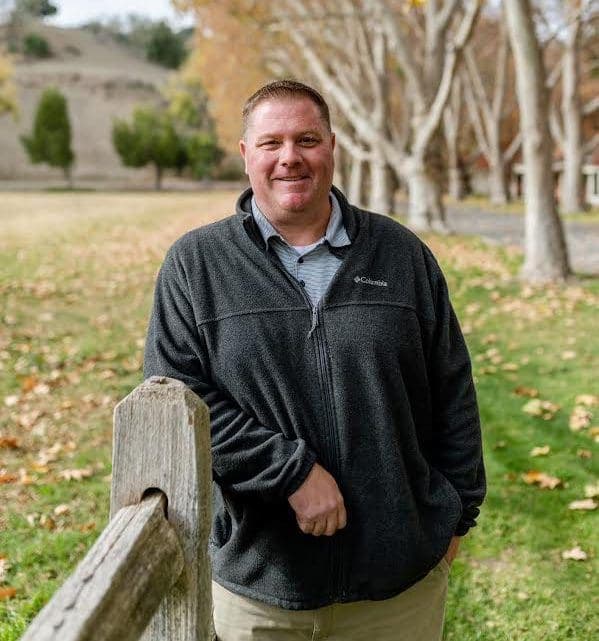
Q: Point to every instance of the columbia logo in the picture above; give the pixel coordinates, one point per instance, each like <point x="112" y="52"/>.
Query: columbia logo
<point x="368" y="281"/>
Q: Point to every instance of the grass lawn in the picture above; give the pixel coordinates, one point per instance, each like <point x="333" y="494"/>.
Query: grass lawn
<point x="76" y="280"/>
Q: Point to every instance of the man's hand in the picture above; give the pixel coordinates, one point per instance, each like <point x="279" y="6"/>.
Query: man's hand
<point x="452" y="550"/>
<point x="318" y="504"/>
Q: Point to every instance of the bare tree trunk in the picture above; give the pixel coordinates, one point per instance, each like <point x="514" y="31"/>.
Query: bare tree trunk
<point x="356" y="180"/>
<point x="451" y="128"/>
<point x="379" y="199"/>
<point x="498" y="187"/>
<point x="158" y="177"/>
<point x="545" y="253"/>
<point x="571" y="198"/>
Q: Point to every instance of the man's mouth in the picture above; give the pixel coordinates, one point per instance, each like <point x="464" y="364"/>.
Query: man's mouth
<point x="291" y="178"/>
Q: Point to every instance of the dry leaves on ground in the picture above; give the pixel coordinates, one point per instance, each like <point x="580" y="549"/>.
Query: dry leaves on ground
<point x="540" y="451"/>
<point x="575" y="554"/>
<point x="583" y="504"/>
<point x="544" y="481"/>
<point x="543" y="409"/>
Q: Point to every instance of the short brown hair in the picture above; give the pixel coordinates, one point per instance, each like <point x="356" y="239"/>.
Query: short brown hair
<point x="285" y="90"/>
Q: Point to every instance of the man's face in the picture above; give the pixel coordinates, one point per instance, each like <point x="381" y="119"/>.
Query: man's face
<point x="288" y="153"/>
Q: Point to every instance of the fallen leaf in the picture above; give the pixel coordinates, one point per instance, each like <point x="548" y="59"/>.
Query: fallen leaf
<point x="580" y="418"/>
<point x="47" y="522"/>
<point x="7" y="477"/>
<point x="75" y="475"/>
<point x="61" y="510"/>
<point x="568" y="355"/>
<point x="542" y="409"/>
<point x="540" y="451"/>
<point x="510" y="367"/>
<point x="575" y="554"/>
<point x="591" y="490"/>
<point x="544" y="481"/>
<point x="11" y="400"/>
<point x="41" y="389"/>
<point x="587" y="399"/>
<point x="87" y="527"/>
<point x="9" y="442"/>
<point x="583" y="504"/>
<point x="584" y="453"/>
<point x="28" y="383"/>
<point x="4" y="567"/>
<point x="529" y="392"/>
<point x="7" y="593"/>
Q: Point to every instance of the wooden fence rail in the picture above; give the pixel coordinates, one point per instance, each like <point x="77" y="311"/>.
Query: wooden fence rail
<point x="148" y="575"/>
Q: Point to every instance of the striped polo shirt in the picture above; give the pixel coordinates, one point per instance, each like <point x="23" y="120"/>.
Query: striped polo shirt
<point x="313" y="266"/>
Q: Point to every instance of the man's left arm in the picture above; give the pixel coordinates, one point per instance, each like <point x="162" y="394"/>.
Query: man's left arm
<point x="457" y="448"/>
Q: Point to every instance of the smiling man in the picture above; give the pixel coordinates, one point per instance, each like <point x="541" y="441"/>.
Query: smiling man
<point x="346" y="444"/>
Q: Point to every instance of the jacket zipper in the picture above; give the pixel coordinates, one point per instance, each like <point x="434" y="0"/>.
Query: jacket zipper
<point x="324" y="374"/>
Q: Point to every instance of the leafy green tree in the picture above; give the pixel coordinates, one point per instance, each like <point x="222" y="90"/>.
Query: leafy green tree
<point x="203" y="154"/>
<point x="38" y="8"/>
<point x="50" y="140"/>
<point x="150" y="138"/>
<point x="164" y="46"/>
<point x="36" y="46"/>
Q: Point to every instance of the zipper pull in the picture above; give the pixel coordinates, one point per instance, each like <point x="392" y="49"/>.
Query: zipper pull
<point x="314" y="320"/>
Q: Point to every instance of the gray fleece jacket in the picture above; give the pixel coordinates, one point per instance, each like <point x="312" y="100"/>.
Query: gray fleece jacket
<point x="374" y="383"/>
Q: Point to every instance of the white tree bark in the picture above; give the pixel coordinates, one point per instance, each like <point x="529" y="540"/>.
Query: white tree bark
<point x="571" y="193"/>
<point x="486" y="115"/>
<point x="545" y="253"/>
<point x="430" y="88"/>
<point x="451" y="129"/>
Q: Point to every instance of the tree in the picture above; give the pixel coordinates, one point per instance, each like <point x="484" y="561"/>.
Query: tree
<point x="165" y="47"/>
<point x="37" y="8"/>
<point x="50" y="140"/>
<point x="487" y="113"/>
<point x="36" y="46"/>
<point x="150" y="139"/>
<point x="545" y="252"/>
<point x="202" y="153"/>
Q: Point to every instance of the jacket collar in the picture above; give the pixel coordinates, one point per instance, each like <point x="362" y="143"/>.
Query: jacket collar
<point x="351" y="220"/>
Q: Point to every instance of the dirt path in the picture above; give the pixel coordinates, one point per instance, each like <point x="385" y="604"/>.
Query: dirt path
<point x="508" y="229"/>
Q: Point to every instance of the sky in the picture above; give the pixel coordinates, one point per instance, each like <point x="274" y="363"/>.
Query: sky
<point x="75" y="12"/>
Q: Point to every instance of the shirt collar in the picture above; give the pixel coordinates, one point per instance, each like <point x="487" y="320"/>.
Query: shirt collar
<point x="335" y="233"/>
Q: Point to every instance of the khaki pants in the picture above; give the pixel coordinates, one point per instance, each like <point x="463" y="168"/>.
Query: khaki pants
<point x="414" y="615"/>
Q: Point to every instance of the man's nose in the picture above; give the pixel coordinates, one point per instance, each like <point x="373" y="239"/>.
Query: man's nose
<point x="290" y="154"/>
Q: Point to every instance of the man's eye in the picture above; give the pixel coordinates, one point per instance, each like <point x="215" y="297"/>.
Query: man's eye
<point x="309" y="141"/>
<point x="269" y="143"/>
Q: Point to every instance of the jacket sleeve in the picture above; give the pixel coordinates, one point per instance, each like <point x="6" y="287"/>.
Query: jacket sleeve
<point x="457" y="445"/>
<point x="247" y="457"/>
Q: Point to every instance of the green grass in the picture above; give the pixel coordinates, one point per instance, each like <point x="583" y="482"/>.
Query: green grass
<point x="76" y="278"/>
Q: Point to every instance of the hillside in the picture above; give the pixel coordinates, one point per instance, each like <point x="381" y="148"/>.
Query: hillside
<point x="102" y="80"/>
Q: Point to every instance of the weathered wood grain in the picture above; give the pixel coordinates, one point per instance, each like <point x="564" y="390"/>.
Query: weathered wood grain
<point x="115" y="590"/>
<point x="162" y="440"/>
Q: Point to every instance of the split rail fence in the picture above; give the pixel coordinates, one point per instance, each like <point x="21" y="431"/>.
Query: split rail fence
<point x="148" y="574"/>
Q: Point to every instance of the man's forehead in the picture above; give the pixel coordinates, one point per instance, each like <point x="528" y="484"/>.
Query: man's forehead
<point x="279" y="111"/>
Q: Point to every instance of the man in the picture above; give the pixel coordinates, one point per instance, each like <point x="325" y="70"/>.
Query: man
<point x="345" y="435"/>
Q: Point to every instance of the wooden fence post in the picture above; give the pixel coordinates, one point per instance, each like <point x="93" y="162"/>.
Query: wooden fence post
<point x="162" y="441"/>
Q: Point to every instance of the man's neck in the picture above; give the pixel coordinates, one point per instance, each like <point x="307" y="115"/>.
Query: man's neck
<point x="300" y="228"/>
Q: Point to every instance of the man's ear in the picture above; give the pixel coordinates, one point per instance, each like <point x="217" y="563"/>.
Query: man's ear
<point x="333" y="140"/>
<point x="242" y="150"/>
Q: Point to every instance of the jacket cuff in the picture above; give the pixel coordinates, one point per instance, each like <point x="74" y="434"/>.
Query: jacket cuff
<point x="466" y="522"/>
<point x="296" y="481"/>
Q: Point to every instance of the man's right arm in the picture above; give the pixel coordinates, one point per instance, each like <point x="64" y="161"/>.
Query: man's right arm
<point x="247" y="457"/>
